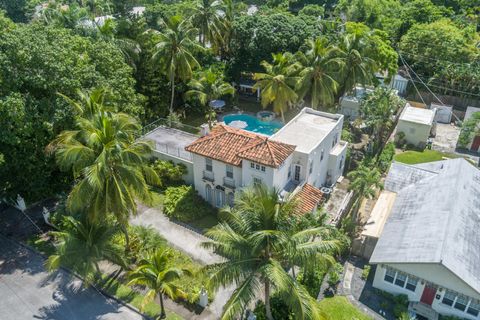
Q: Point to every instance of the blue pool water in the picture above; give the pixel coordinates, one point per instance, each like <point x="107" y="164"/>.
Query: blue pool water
<point x="253" y="124"/>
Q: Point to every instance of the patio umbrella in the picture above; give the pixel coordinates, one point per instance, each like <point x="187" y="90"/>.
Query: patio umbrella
<point x="217" y="104"/>
<point x="239" y="124"/>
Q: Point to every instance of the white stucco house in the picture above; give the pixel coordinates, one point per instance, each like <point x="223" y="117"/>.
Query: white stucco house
<point x="350" y="102"/>
<point x="429" y="246"/>
<point x="301" y="157"/>
<point x="416" y="124"/>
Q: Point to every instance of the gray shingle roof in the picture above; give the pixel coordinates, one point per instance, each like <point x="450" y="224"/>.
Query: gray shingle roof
<point x="435" y="218"/>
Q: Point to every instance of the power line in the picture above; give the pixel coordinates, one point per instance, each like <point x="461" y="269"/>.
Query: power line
<point x="410" y="76"/>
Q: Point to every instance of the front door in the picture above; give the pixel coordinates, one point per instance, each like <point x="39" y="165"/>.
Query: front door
<point x="428" y="294"/>
<point x="296" y="175"/>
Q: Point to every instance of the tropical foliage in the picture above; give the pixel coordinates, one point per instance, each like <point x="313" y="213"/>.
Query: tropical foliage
<point x="258" y="247"/>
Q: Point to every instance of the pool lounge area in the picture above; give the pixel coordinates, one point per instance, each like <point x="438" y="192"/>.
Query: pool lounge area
<point x="251" y="123"/>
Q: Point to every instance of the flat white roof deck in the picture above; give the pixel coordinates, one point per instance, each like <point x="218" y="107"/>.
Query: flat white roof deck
<point x="418" y="115"/>
<point x="307" y="129"/>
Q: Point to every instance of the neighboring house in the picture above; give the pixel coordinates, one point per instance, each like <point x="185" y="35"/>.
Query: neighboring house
<point x="398" y="82"/>
<point x="350" y="102"/>
<point x="417" y="125"/>
<point x="429" y="247"/>
<point x="301" y="157"/>
<point x="443" y="113"/>
<point x="474" y="144"/>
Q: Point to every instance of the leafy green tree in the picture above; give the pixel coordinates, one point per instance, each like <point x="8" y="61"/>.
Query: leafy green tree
<point x="173" y="51"/>
<point x="209" y="85"/>
<point x="16" y="10"/>
<point x="82" y="245"/>
<point x="278" y="82"/>
<point x="377" y="110"/>
<point x="207" y="17"/>
<point x="158" y="274"/>
<point x="470" y="129"/>
<point x="109" y="165"/>
<point x="312" y="10"/>
<point x="258" y="248"/>
<point x="36" y="63"/>
<point x="257" y="37"/>
<point x="317" y="76"/>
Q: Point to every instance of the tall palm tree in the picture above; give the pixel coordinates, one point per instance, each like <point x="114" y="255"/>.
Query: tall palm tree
<point x="357" y="68"/>
<point x="157" y="273"/>
<point x="365" y="180"/>
<point x="258" y="251"/>
<point x="207" y="15"/>
<point x="109" y="165"/>
<point x="173" y="51"/>
<point x="317" y="77"/>
<point x="82" y="245"/>
<point x="209" y="86"/>
<point x="277" y="83"/>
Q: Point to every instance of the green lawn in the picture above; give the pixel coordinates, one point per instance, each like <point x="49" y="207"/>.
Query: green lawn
<point x="339" y="308"/>
<point x="205" y="223"/>
<point x="413" y="157"/>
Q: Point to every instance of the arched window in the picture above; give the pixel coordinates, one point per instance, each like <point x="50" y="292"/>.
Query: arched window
<point x="208" y="193"/>
<point x="230" y="199"/>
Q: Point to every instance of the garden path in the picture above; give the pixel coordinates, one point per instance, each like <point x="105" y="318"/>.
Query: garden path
<point x="189" y="242"/>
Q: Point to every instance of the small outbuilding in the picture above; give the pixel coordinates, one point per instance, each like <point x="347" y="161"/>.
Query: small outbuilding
<point x="415" y="125"/>
<point x="443" y="113"/>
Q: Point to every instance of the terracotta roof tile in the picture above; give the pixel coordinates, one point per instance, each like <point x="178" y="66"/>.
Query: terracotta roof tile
<point x="309" y="198"/>
<point x="231" y="145"/>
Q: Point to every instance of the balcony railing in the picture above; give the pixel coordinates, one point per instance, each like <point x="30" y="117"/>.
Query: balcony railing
<point x="208" y="175"/>
<point x="229" y="182"/>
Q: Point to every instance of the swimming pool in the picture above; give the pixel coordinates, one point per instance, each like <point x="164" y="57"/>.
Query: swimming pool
<point x="253" y="124"/>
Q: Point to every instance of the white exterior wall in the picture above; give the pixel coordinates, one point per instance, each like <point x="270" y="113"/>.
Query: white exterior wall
<point x="280" y="175"/>
<point x="219" y="172"/>
<point x="415" y="133"/>
<point x="248" y="174"/>
<point x="320" y="170"/>
<point x="434" y="273"/>
<point x="350" y="107"/>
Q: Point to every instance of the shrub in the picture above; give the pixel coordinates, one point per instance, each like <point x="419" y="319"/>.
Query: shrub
<point x="169" y="173"/>
<point x="312" y="280"/>
<point x="386" y="156"/>
<point x="401" y="305"/>
<point x="184" y="204"/>
<point x="400" y="140"/>
<point x="366" y="272"/>
<point x="279" y="309"/>
<point x="334" y="274"/>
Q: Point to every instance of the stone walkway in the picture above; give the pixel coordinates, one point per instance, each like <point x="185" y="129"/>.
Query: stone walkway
<point x="189" y="242"/>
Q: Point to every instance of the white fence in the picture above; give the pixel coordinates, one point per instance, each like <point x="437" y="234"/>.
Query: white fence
<point x="173" y="151"/>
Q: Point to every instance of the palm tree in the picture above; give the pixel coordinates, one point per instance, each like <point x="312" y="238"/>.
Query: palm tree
<point x="109" y="165"/>
<point x="317" y="77"/>
<point x="174" y="51"/>
<point x="157" y="273"/>
<point x="82" y="245"/>
<point x="356" y="67"/>
<point x="365" y="180"/>
<point x="209" y="86"/>
<point x="277" y="83"/>
<point x="206" y="15"/>
<point x="259" y="250"/>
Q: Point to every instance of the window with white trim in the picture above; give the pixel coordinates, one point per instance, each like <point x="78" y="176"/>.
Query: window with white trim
<point x="208" y="165"/>
<point x="390" y="275"/>
<point x="461" y="303"/>
<point x="401" y="279"/>
<point x="474" y="308"/>
<point x="257" y="181"/>
<point x="252" y="165"/>
<point x="411" y="283"/>
<point x="449" y="298"/>
<point x="257" y="166"/>
<point x="229" y="171"/>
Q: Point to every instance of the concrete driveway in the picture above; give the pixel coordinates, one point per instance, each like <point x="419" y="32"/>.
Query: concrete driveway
<point x="27" y="291"/>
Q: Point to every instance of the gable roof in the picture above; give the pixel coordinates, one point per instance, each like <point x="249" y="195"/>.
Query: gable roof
<point x="231" y="145"/>
<point x="309" y="198"/>
<point x="435" y="219"/>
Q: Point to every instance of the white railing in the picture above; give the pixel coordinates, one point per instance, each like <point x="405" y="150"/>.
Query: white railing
<point x="229" y="182"/>
<point x="208" y="175"/>
<point x="173" y="151"/>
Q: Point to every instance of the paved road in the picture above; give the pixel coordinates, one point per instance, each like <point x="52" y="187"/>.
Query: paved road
<point x="27" y="291"/>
